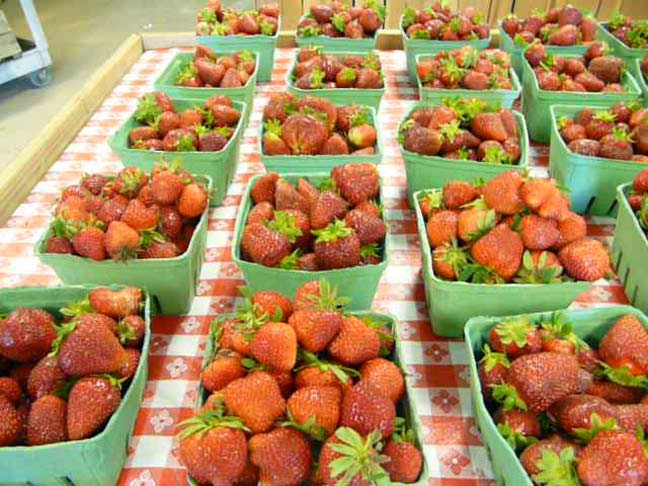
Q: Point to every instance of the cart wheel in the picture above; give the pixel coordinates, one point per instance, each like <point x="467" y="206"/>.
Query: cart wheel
<point x="42" y="77"/>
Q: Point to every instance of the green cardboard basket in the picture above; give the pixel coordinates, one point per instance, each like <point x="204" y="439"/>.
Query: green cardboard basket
<point x="425" y="171"/>
<point x="315" y="164"/>
<point x="171" y="282"/>
<point x="263" y="45"/>
<point x="359" y="283"/>
<point x="336" y="44"/>
<point x="338" y="96"/>
<point x="592" y="181"/>
<point x="166" y="83"/>
<point x="414" y="47"/>
<point x="640" y="78"/>
<point x="506" y="97"/>
<point x="588" y="324"/>
<point x="406" y="409"/>
<point x="452" y="304"/>
<point x="219" y="166"/>
<point x="630" y="251"/>
<point x="536" y="102"/>
<point x="628" y="54"/>
<point x="97" y="460"/>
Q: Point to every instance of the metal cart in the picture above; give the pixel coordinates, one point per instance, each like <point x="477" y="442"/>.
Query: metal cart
<point x="34" y="60"/>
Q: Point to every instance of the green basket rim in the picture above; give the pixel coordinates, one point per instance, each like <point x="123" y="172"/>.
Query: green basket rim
<point x="640" y="77"/>
<point x="622" y="197"/>
<point x="419" y="42"/>
<point x="549" y="47"/>
<point x="618" y="45"/>
<point x="333" y="39"/>
<point x="241" y="217"/>
<point x="238" y="37"/>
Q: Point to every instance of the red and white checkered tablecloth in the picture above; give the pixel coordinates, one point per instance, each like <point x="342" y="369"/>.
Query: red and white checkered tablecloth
<point x="438" y="371"/>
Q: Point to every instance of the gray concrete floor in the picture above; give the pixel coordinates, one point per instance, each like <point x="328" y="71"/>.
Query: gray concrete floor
<point x="82" y="34"/>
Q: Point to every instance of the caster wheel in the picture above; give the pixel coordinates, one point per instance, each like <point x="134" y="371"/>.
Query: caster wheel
<point x="42" y="77"/>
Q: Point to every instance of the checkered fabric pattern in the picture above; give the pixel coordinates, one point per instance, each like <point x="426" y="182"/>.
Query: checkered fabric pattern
<point x="438" y="374"/>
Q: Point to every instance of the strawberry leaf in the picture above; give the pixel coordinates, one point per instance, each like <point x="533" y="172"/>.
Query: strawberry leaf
<point x="557" y="470"/>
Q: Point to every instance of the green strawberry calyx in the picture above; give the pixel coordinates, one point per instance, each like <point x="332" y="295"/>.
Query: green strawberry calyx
<point x="291" y="262"/>
<point x="515" y="330"/>
<point x="515" y="439"/>
<point x="433" y="198"/>
<point x="560" y="328"/>
<point x="338" y="22"/>
<point x="209" y="420"/>
<point x="333" y="232"/>
<point x="605" y="116"/>
<point x="78" y="308"/>
<point x="508" y="396"/>
<point x="62" y="332"/>
<point x="286" y="224"/>
<point x="492" y="359"/>
<point x="540" y="273"/>
<point x="342" y="373"/>
<point x="328" y="297"/>
<point x="597" y="424"/>
<point x="348" y="74"/>
<point x="148" y="110"/>
<point x="310" y="427"/>
<point x="621" y="376"/>
<point x="360" y="457"/>
<point x="557" y="469"/>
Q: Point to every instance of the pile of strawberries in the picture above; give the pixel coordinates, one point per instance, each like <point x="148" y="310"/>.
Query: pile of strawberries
<point x="215" y="20"/>
<point x="559" y="26"/>
<point x="129" y="216"/>
<point x="466" y="68"/>
<point x="315" y="70"/>
<point x="205" y="128"/>
<point x="576" y="415"/>
<point x="63" y="381"/>
<point x="210" y="70"/>
<point x="337" y="225"/>
<point x="315" y="126"/>
<point x="341" y="20"/>
<point x="463" y="129"/>
<point x="620" y="132"/>
<point x="633" y="33"/>
<point x="295" y="384"/>
<point x="595" y="71"/>
<point x="510" y="229"/>
<point x="638" y="198"/>
<point x="439" y="22"/>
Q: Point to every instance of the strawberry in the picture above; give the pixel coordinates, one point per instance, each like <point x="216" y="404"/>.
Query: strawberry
<point x="287" y="197"/>
<point x="542" y="458"/>
<point x="11" y="427"/>
<point x="47" y="421"/>
<point x="632" y="417"/>
<point x="141" y="134"/>
<point x="474" y="222"/>
<point x="256" y="399"/>
<point x="112" y="209"/>
<point x="501" y="193"/>
<point x="555" y="207"/>
<point x="572" y="228"/>
<point x="583" y="415"/>
<point x="362" y="136"/>
<point x="294" y="225"/>
<point x="336" y="246"/>
<point x="130" y="363"/>
<point x="458" y="193"/>
<point x="370" y="229"/>
<point x="615" y="393"/>
<point x="26" y="334"/>
<point x="613" y="457"/>
<point x="515" y="337"/>
<point x="355" y="343"/>
<point x="307" y="190"/>
<point x="264" y="245"/>
<point x="129" y="181"/>
<point x="640" y="182"/>
<point x="538" y="233"/>
<point x="170" y="223"/>
<point x="326" y="208"/>
<point x="224" y="368"/>
<point x="275" y="345"/>
<point x="442" y="228"/>
<point x="193" y="200"/>
<point x="625" y="344"/>
<point x="160" y="249"/>
<point x="139" y="217"/>
<point x="20" y="372"/>
<point x="335" y="145"/>
<point x="283" y="456"/>
<point x="60" y="244"/>
<point x="264" y="188"/>
<point x="385" y="376"/>
<point x="405" y="459"/>
<point x="94" y="183"/>
<point x="316" y="409"/>
<point x="121" y="241"/>
<point x="273" y="304"/>
<point x="585" y="259"/>
<point x="365" y="409"/>
<point x="91" y="402"/>
<point x="493" y="370"/>
<point x="322" y="373"/>
<point x="166" y="187"/>
<point x="489" y="126"/>
<point x="357" y="182"/>
<point x="260" y="213"/>
<point x="89" y="243"/>
<point x="517" y="427"/>
<point x="316" y="328"/>
<point x="213" y="448"/>
<point x="131" y="330"/>
<point x="500" y="250"/>
<point x="116" y="303"/>
<point x="10" y="388"/>
<point x="534" y="192"/>
<point x="45" y="377"/>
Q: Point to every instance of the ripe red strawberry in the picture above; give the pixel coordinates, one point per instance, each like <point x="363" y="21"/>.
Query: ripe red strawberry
<point x="532" y="458"/>
<point x="10" y="388"/>
<point x="315" y="328"/>
<point x="224" y="368"/>
<point x="405" y="461"/>
<point x="538" y="233"/>
<point x="640" y="182"/>
<point x="317" y="408"/>
<point x="94" y="183"/>
<point x="284" y="379"/>
<point x="322" y="374"/>
<point x="89" y="243"/>
<point x="131" y="330"/>
<point x="213" y="450"/>
<point x="273" y="304"/>
<point x="355" y="343"/>
<point x="11" y="426"/>
<point x="129" y="181"/>
<point x="572" y="228"/>
<point x="500" y="250"/>
<point x="493" y="370"/>
<point x="116" y="303"/>
<point x="515" y="425"/>
<point x="121" y="241"/>
<point x="357" y="182"/>
<point x="515" y="337"/>
<point x="385" y="376"/>
<point x="336" y="246"/>
<point x="308" y="190"/>
<point x="458" y="193"/>
<point x="287" y="197"/>
<point x="261" y="213"/>
<point x="442" y="228"/>
<point x="555" y="207"/>
<point x="20" y="372"/>
<point x="139" y="217"/>
<point x="365" y="409"/>
<point x="370" y="229"/>
<point x="90" y="349"/>
<point x="170" y="223"/>
<point x="91" y="402"/>
<point x="163" y="249"/>
<point x="193" y="201"/>
<point x="166" y="187"/>
<point x="129" y="364"/>
<point x="113" y="209"/>
<point x="264" y="188"/>
<point x="632" y="417"/>
<point x="326" y="208"/>
<point x="626" y="345"/>
<point x="585" y="259"/>
<point x="575" y="414"/>
<point x="502" y="194"/>
<point x="283" y="455"/>
<point x="489" y="126"/>
<point x="256" y="399"/>
<point x="615" y="393"/>
<point x="264" y="245"/>
<point x="45" y="377"/>
<point x="534" y="192"/>
<point x="60" y="244"/>
<point x="275" y="345"/>
<point x="47" y="421"/>
<point x="26" y="335"/>
<point x="613" y="457"/>
<point x="474" y="222"/>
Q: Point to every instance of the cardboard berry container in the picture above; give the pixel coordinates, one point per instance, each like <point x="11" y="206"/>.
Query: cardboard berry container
<point x="336" y="44"/>
<point x="316" y="164"/>
<point x="628" y="54"/>
<point x="220" y="166"/>
<point x="408" y="408"/>
<point x="630" y="251"/>
<point x="414" y="47"/>
<point x="592" y="181"/>
<point x="536" y="102"/>
<point x="451" y="304"/>
<point x="97" y="460"/>
<point x="588" y="324"/>
<point x="263" y="45"/>
<point x="505" y="97"/>
<point x="166" y="82"/>
<point x="339" y="96"/>
<point x="359" y="283"/>
<point x="170" y="282"/>
<point x="640" y="78"/>
<point x="425" y="171"/>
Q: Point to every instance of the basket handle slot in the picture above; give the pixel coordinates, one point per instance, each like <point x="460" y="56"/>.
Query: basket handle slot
<point x="589" y="205"/>
<point x="612" y="207"/>
<point x="156" y="306"/>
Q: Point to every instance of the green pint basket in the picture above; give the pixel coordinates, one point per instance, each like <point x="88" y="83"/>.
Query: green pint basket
<point x="336" y="44"/>
<point x="628" y="54"/>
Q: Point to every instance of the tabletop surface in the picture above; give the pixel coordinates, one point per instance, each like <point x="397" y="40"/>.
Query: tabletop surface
<point x="437" y="368"/>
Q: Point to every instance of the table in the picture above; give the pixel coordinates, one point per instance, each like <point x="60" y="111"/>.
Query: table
<point x="437" y="368"/>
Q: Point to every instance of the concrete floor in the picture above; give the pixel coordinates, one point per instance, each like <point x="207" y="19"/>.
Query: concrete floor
<point x="82" y="34"/>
